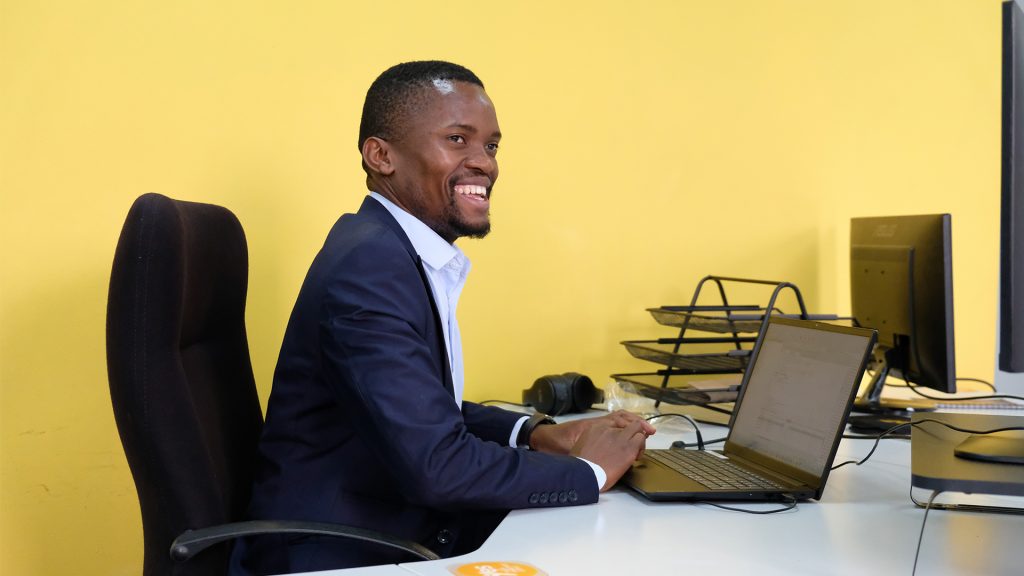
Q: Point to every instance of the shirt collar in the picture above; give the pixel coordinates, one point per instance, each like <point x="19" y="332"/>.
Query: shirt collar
<point x="434" y="250"/>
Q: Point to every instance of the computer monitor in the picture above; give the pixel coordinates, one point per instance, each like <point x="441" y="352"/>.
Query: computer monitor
<point x="1011" y="263"/>
<point x="901" y="284"/>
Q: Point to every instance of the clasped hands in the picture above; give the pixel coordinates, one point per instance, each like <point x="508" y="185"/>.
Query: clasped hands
<point x="613" y="441"/>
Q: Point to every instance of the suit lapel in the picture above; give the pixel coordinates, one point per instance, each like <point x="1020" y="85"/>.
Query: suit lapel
<point x="373" y="209"/>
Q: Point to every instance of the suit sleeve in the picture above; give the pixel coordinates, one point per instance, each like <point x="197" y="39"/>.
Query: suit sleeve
<point x="490" y="422"/>
<point x="376" y="352"/>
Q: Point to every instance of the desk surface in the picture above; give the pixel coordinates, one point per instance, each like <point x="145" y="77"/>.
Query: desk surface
<point x="864" y="524"/>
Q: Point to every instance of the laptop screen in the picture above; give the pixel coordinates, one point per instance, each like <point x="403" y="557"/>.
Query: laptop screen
<point x="797" y="395"/>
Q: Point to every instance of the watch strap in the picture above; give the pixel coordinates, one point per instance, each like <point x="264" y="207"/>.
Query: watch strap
<point x="538" y="419"/>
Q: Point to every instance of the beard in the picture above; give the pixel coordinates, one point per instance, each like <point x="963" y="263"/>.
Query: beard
<point x="453" y="225"/>
<point x="460" y="227"/>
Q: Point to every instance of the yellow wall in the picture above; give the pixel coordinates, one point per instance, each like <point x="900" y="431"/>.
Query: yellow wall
<point x="646" y="145"/>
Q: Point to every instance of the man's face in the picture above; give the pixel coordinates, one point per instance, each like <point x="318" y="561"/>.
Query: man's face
<point x="445" y="162"/>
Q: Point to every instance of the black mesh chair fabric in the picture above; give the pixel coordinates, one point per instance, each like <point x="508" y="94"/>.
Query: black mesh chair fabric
<point x="182" y="388"/>
<point x="180" y="376"/>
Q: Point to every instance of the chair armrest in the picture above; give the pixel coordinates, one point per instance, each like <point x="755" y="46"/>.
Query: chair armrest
<point x="192" y="542"/>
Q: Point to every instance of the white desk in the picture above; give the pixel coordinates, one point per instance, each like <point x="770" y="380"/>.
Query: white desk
<point x="865" y="524"/>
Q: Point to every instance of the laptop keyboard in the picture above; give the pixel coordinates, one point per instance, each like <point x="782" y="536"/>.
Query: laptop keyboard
<point x="711" y="471"/>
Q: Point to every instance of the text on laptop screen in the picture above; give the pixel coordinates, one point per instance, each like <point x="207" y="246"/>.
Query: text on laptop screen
<point x="798" y="390"/>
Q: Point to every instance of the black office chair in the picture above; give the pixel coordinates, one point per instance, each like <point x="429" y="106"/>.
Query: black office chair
<point x="182" y="387"/>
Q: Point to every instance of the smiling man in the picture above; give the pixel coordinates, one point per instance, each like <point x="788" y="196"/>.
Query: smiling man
<point x="366" y="424"/>
<point x="440" y="161"/>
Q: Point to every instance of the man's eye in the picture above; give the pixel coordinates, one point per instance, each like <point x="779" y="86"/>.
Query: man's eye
<point x="457" y="139"/>
<point x="493" y="147"/>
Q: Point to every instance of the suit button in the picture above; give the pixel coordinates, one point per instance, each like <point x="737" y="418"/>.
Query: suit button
<point x="534" y="498"/>
<point x="572" y="496"/>
<point x="553" y="497"/>
<point x="543" y="497"/>
<point x="444" y="536"/>
<point x="563" y="497"/>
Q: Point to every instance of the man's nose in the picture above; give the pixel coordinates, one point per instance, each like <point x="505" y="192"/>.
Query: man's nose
<point x="481" y="159"/>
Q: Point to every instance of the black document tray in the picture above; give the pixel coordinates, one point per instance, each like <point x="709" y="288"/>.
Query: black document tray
<point x="649" y="386"/>
<point x="749" y="319"/>
<point x="681" y="317"/>
<point x="664" y="354"/>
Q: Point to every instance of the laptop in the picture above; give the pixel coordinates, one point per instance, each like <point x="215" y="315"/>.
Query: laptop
<point x="794" y="400"/>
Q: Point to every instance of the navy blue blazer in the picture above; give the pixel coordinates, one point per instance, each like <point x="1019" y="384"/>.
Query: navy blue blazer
<point x="362" y="428"/>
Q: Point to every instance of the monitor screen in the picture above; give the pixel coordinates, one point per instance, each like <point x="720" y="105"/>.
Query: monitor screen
<point x="901" y="284"/>
<point x="1011" y="264"/>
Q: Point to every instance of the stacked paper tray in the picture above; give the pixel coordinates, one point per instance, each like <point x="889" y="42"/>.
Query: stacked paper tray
<point x="649" y="386"/>
<point x="708" y="323"/>
<point x="713" y="363"/>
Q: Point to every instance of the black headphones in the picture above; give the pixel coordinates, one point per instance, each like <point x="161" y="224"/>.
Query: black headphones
<point x="562" y="393"/>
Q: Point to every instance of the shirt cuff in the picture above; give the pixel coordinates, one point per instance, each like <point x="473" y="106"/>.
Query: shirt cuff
<point x="599" y="473"/>
<point x="515" y="432"/>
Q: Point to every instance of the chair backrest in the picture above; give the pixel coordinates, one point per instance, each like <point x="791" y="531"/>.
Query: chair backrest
<point x="180" y="376"/>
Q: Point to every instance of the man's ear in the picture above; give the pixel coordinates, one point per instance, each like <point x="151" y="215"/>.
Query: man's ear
<point x="377" y="156"/>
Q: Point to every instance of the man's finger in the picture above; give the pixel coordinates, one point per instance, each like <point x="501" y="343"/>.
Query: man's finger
<point x="622" y="418"/>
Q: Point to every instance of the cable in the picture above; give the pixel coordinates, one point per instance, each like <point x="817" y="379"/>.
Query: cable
<point x="875" y="445"/>
<point x="966" y="430"/>
<point x="485" y="402"/>
<point x="893" y="435"/>
<point x="914" y="389"/>
<point x="700" y="438"/>
<point x="715" y="409"/>
<point x="915" y="425"/>
<point x="990" y="385"/>
<point x="790" y="504"/>
<point x="920" y="536"/>
<point x="709" y="422"/>
<point x="987" y="384"/>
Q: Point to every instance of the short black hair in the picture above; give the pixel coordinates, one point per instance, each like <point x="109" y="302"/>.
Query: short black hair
<point x="399" y="92"/>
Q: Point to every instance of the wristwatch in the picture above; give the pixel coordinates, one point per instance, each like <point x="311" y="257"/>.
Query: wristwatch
<point x="538" y="419"/>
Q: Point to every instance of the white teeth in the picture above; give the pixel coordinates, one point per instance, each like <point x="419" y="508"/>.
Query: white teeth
<point x="471" y="189"/>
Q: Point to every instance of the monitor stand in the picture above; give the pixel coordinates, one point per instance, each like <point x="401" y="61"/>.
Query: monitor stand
<point x="871" y="401"/>
<point x="1000" y="447"/>
<point x="939" y="461"/>
<point x="878" y="415"/>
<point x="875" y="424"/>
